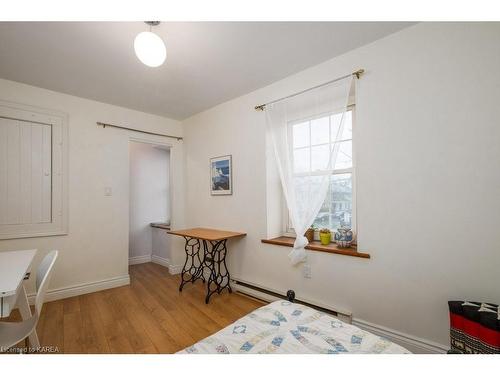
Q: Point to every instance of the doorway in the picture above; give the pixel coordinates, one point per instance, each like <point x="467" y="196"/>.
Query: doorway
<point x="149" y="202"/>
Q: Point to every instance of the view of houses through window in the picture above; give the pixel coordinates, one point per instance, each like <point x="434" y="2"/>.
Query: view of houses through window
<point x="337" y="208"/>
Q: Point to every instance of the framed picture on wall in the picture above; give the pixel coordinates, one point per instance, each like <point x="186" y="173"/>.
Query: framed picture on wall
<point x="221" y="175"/>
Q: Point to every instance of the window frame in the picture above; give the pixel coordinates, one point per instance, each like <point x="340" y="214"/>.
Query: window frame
<point x="59" y="178"/>
<point x="288" y="230"/>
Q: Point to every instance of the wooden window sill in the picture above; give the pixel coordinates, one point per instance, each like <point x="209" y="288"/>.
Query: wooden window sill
<point x="317" y="246"/>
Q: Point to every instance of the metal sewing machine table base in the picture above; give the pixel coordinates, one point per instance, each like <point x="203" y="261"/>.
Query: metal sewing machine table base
<point x="206" y="250"/>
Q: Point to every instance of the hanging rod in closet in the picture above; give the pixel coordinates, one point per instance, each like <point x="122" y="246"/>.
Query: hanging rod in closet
<point x="356" y="74"/>
<point x="103" y="124"/>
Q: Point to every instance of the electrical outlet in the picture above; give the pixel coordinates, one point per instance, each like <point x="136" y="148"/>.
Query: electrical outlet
<point x="306" y="271"/>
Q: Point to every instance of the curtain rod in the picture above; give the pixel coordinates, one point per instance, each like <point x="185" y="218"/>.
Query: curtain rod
<point x="137" y="130"/>
<point x="356" y="74"/>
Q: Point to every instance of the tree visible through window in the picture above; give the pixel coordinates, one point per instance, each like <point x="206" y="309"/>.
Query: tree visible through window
<point x="313" y="141"/>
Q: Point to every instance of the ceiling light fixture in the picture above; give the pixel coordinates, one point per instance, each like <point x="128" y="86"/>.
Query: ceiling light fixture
<point x="149" y="47"/>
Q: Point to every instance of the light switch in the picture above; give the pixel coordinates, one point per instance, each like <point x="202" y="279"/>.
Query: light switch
<point x="108" y="191"/>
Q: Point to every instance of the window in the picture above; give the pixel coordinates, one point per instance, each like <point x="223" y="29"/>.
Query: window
<point x="32" y="172"/>
<point x="313" y="141"/>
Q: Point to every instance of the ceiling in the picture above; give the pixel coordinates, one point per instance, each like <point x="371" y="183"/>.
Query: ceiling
<point x="207" y="62"/>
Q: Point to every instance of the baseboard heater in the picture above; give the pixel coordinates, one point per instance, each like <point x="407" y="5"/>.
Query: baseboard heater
<point x="268" y="295"/>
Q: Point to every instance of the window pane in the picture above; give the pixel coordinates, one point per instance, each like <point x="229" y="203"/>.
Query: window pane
<point x="344" y="155"/>
<point x="301" y="135"/>
<point x="337" y="208"/>
<point x="301" y="158"/>
<point x="320" y="131"/>
<point x="320" y="156"/>
<point x="304" y="188"/>
<point x="335" y="124"/>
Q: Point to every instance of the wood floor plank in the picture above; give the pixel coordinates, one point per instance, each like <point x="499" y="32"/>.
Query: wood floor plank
<point x="73" y="333"/>
<point x="130" y="323"/>
<point x="161" y="339"/>
<point x="115" y="337"/>
<point x="93" y="328"/>
<point x="198" y="313"/>
<point x="53" y="329"/>
<point x="148" y="316"/>
<point x="71" y="305"/>
<point x="175" y="328"/>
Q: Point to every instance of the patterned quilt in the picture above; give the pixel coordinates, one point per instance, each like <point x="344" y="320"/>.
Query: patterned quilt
<point x="285" y="327"/>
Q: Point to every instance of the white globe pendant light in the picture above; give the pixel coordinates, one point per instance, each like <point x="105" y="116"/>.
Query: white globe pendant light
<point x="149" y="47"/>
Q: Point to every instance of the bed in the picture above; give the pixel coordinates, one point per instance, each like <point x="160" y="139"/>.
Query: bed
<point x="284" y="327"/>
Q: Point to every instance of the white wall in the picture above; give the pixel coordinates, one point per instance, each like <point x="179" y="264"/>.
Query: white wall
<point x="428" y="184"/>
<point x="96" y="247"/>
<point x="162" y="250"/>
<point x="149" y="195"/>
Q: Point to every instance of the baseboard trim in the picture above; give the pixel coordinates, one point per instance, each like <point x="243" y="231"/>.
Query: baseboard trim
<point x="84" y="288"/>
<point x="412" y="343"/>
<point x="174" y="269"/>
<point x="139" y="259"/>
<point x="165" y="262"/>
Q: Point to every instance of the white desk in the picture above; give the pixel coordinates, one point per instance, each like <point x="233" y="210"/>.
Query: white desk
<point x="14" y="265"/>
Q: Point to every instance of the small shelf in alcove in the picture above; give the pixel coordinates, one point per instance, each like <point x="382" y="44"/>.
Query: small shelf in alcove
<point x="161" y="225"/>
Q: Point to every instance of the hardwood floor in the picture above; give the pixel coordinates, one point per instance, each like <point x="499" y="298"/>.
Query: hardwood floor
<point x="147" y="316"/>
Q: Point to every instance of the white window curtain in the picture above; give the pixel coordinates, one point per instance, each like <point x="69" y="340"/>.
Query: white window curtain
<point x="302" y="173"/>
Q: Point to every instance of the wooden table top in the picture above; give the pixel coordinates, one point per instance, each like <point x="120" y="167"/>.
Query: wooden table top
<point x="207" y="234"/>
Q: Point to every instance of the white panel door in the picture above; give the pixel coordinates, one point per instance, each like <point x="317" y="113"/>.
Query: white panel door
<point x="25" y="172"/>
<point x="33" y="171"/>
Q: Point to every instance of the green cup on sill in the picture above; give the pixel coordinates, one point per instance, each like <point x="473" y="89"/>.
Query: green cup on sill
<point x="325" y="236"/>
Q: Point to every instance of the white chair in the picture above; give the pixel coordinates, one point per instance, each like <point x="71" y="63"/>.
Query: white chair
<point x="12" y="333"/>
